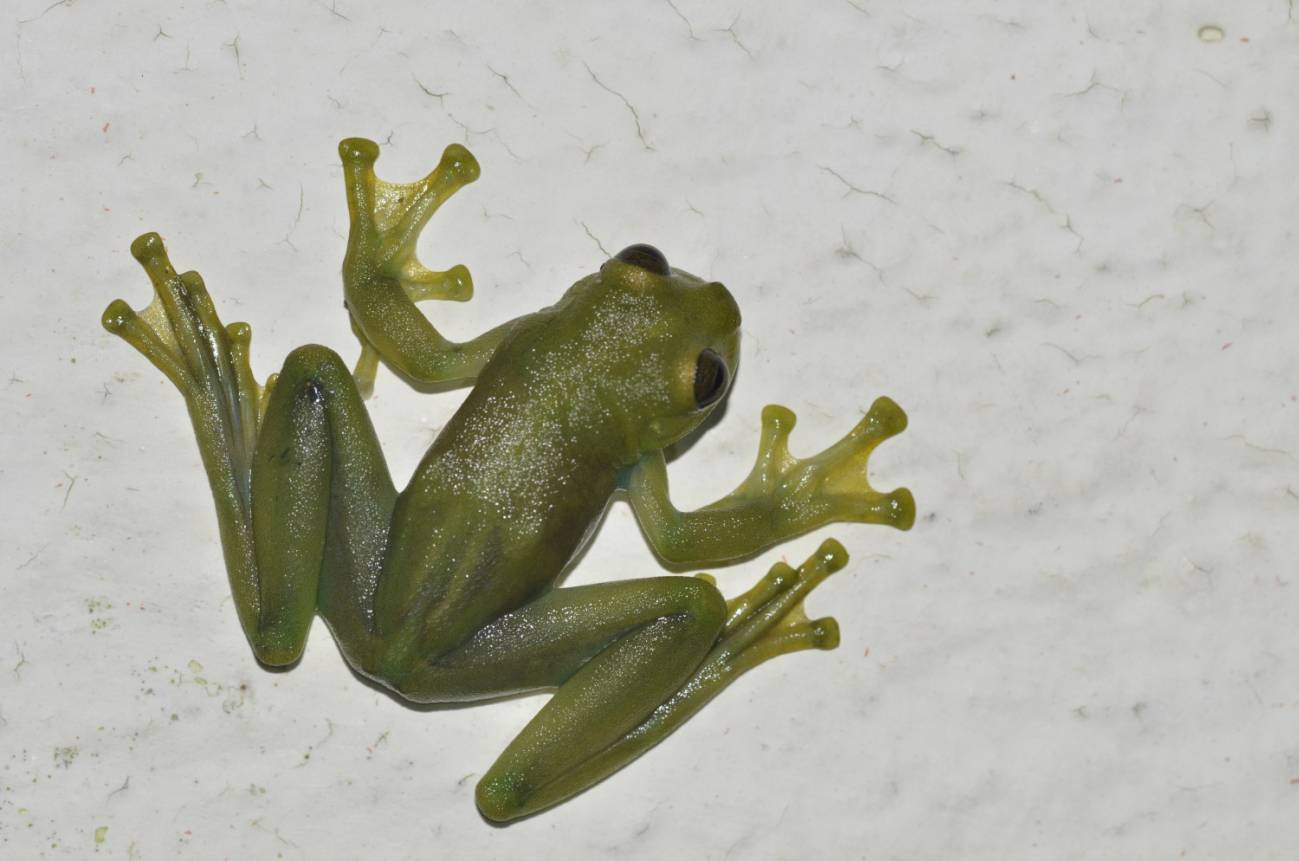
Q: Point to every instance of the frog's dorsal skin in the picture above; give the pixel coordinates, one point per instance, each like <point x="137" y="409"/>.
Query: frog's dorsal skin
<point x="445" y="591"/>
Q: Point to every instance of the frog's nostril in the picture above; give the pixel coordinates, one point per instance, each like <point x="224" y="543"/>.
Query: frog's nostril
<point x="647" y="257"/>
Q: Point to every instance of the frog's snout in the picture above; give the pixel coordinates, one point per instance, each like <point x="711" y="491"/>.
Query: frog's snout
<point x="727" y="309"/>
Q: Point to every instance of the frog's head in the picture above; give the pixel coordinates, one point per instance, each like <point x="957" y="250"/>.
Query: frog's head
<point x="675" y="340"/>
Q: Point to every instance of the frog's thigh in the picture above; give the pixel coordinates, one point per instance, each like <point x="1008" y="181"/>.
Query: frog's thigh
<point x="321" y="502"/>
<point x="617" y="651"/>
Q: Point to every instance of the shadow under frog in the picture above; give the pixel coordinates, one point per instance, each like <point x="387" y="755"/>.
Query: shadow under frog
<point x="446" y="592"/>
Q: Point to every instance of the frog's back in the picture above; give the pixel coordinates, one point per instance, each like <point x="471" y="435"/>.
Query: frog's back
<point x="505" y="496"/>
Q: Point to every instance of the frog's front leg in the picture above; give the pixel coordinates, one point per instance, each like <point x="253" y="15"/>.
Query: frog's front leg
<point x="303" y="495"/>
<point x="383" y="278"/>
<point x="783" y="496"/>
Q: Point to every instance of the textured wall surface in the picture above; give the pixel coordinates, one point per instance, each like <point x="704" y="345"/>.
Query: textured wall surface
<point x="1062" y="238"/>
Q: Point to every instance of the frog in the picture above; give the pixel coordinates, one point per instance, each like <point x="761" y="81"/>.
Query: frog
<point x="450" y="590"/>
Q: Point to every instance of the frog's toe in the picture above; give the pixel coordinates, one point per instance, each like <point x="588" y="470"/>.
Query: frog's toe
<point x="421" y="283"/>
<point x="358" y="151"/>
<point x="824" y="633"/>
<point x="179" y="330"/>
<point x="840" y="473"/>
<point x="151" y="330"/>
<point x="460" y="162"/>
<point x="885" y="419"/>
<point x="829" y="558"/>
<point x="902" y="508"/>
<point x="769" y="619"/>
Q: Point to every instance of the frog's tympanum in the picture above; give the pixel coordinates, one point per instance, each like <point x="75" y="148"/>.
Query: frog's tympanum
<point x="446" y="591"/>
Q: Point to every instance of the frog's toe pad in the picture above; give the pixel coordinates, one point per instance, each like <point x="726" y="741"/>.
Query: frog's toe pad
<point x="885" y="419"/>
<point x="825" y="633"/>
<point x="829" y="558"/>
<point x="901" y="507"/>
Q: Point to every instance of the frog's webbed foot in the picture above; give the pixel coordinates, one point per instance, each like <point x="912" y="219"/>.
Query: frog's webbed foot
<point x="180" y="333"/>
<point x="782" y="496"/>
<point x="382" y="276"/>
<point x="387" y="218"/>
<point x="769" y="620"/>
<point x="831" y="486"/>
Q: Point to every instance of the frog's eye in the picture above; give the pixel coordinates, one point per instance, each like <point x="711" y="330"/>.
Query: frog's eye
<point x="647" y="257"/>
<point x="710" y="378"/>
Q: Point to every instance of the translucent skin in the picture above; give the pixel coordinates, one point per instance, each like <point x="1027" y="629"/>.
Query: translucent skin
<point x="446" y="591"/>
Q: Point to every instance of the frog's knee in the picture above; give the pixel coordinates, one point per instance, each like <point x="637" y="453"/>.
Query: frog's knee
<point x="278" y="648"/>
<point x="500" y="797"/>
<point x="315" y="370"/>
<point x="312" y="359"/>
<point x="701" y="600"/>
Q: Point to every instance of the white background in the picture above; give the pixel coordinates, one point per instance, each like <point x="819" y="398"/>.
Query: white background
<point x="1062" y="236"/>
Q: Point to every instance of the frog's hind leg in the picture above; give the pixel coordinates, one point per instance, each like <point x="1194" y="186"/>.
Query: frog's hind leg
<point x="322" y="502"/>
<point x="180" y="333"/>
<point x="301" y="491"/>
<point x="635" y="692"/>
<point x="383" y="278"/>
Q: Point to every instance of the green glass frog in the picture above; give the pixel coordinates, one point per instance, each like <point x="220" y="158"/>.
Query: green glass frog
<point x="446" y="591"/>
